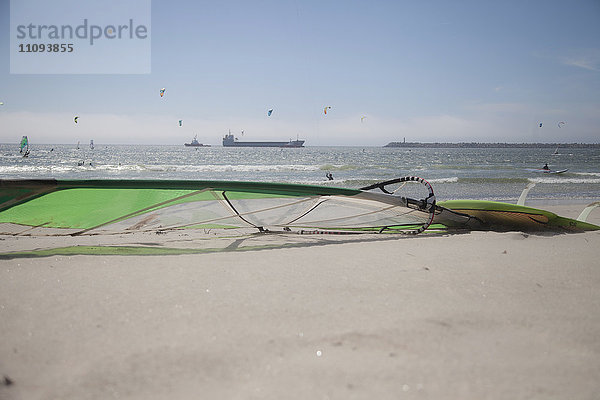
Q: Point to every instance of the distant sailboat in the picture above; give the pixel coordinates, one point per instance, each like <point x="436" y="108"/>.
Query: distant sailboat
<point x="24" y="145"/>
<point x="555" y="151"/>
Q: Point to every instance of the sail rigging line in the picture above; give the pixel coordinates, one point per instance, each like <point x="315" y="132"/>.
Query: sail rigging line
<point x="241" y="214"/>
<point x="260" y="228"/>
<point x="321" y="201"/>
<point x="29" y="229"/>
<point x="322" y="221"/>
<point x="389" y="207"/>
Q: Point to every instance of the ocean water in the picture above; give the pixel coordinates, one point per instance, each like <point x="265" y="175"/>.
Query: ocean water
<point x="489" y="174"/>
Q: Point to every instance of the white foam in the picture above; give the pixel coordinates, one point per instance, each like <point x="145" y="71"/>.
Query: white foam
<point x="227" y="168"/>
<point x="453" y="179"/>
<point x="587" y="173"/>
<point x="565" y="180"/>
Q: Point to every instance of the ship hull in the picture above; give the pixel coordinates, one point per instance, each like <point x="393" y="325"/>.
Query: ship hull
<point x="293" y="144"/>
<point x="231" y="141"/>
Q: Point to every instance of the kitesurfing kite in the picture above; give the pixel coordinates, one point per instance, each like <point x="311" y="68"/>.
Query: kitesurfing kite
<point x="180" y="122"/>
<point x="162" y="92"/>
<point x="75" y="119"/>
<point x="540" y="124"/>
<point x="560" y="124"/>
<point x="270" y="112"/>
<point x="325" y="109"/>
<point x="1" y="103"/>
<point x="362" y="118"/>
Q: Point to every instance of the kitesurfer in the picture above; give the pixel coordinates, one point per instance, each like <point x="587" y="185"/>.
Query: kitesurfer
<point x="329" y="176"/>
<point x="545" y="167"/>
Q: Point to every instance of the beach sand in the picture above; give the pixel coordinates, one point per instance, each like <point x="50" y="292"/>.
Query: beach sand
<point x="480" y="315"/>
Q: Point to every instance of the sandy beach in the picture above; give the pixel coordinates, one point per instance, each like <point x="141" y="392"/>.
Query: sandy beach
<point x="299" y="200"/>
<point x="479" y="315"/>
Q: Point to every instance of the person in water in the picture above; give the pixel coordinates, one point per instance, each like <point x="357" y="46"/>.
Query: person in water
<point x="329" y="176"/>
<point x="545" y="167"/>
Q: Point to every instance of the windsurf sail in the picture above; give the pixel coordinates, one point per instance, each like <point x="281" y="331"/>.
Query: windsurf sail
<point x="89" y="207"/>
<point x="51" y="207"/>
<point x="92" y="144"/>
<point x="24" y="144"/>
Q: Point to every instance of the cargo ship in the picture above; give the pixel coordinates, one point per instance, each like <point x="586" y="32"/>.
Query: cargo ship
<point x="231" y="141"/>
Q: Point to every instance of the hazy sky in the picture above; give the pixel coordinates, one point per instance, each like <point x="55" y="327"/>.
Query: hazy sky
<point x="478" y="70"/>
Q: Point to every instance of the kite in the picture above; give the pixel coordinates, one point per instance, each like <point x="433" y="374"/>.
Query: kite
<point x="180" y="122"/>
<point x="560" y="124"/>
<point x="162" y="92"/>
<point x="75" y="119"/>
<point x="325" y="109"/>
<point x="270" y="112"/>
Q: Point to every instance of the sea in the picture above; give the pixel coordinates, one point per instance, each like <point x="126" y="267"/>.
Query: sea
<point x="455" y="173"/>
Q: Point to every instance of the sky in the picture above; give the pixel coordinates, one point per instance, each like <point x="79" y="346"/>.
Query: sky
<point x="428" y="71"/>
